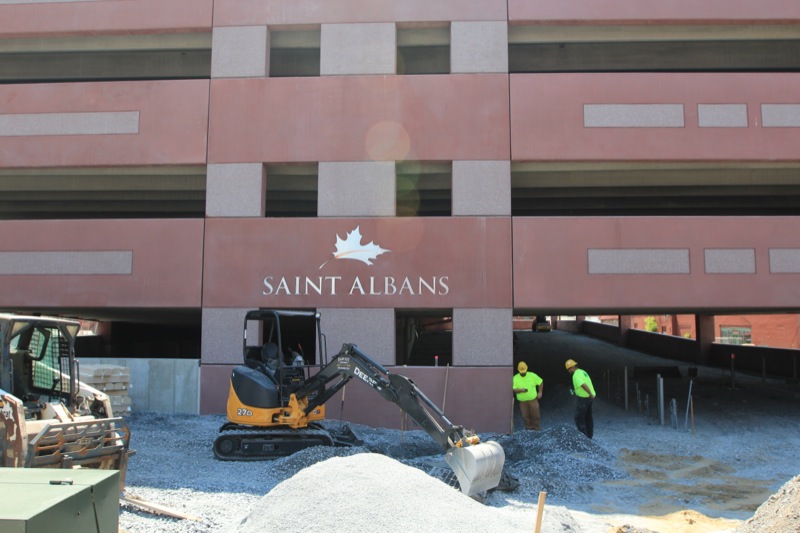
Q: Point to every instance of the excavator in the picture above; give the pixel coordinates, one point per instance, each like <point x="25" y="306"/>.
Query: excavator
<point x="48" y="418"/>
<point x="275" y="407"/>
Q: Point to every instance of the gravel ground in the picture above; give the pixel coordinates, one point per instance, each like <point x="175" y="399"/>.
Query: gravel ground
<point x="740" y="451"/>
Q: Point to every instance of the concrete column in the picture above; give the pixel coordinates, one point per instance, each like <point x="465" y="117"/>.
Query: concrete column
<point x="625" y="322"/>
<point x="483" y="337"/>
<point x="240" y="52"/>
<point x="479" y="47"/>
<point x="372" y="330"/>
<point x="222" y="336"/>
<point x="356" y="189"/>
<point x="481" y="188"/>
<point x="235" y="190"/>
<point x="704" y="325"/>
<point x="355" y="49"/>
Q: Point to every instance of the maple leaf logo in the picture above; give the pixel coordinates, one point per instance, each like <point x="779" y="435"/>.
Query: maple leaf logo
<point x="351" y="248"/>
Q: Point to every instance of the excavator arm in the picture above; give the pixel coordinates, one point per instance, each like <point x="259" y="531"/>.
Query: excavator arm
<point x="478" y="466"/>
<point x="351" y="363"/>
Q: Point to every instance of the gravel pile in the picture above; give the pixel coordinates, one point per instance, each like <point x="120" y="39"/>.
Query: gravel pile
<point x="370" y="492"/>
<point x="781" y="512"/>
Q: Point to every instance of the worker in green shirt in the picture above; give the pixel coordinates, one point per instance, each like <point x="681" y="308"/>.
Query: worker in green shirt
<point x="584" y="392"/>
<point x="528" y="388"/>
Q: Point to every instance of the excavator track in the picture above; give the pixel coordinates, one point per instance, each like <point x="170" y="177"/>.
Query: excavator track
<point x="246" y="443"/>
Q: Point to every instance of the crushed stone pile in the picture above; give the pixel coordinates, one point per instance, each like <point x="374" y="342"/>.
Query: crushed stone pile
<point x="370" y="492"/>
<point x="560" y="461"/>
<point x="781" y="512"/>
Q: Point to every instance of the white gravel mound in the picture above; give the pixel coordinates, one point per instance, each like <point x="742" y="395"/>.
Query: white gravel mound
<point x="370" y="492"/>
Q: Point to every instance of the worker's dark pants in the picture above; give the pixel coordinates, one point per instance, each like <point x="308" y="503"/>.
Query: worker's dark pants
<point x="530" y="413"/>
<point x="583" y="416"/>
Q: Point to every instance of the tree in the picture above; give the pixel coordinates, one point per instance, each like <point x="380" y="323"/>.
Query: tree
<point x="650" y="324"/>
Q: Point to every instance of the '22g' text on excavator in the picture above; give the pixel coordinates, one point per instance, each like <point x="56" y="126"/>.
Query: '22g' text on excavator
<point x="274" y="408"/>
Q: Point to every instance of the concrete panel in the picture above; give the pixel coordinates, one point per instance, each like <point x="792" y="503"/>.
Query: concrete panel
<point x="467" y="387"/>
<point x="780" y="115"/>
<point x="372" y="330"/>
<point x="555" y="249"/>
<point x="722" y="115"/>
<point x="26" y="125"/>
<point x="356" y="189"/>
<point x="352" y="49"/>
<point x="673" y="12"/>
<point x="633" y="116"/>
<point x="359" y="118"/>
<point x="478" y="47"/>
<point x="222" y="335"/>
<point x="369" y="262"/>
<point x="240" y="52"/>
<point x="481" y="188"/>
<point x="640" y="261"/>
<point x="215" y="382"/>
<point x="26" y="18"/>
<point x="552" y="126"/>
<point x="161" y="382"/>
<point x="483" y="337"/>
<point x="160" y="385"/>
<point x="784" y="260"/>
<point x="186" y="396"/>
<point x="110" y="263"/>
<point x="124" y="123"/>
<point x="730" y="261"/>
<point x="248" y="12"/>
<point x="235" y="190"/>
<point x="65" y="263"/>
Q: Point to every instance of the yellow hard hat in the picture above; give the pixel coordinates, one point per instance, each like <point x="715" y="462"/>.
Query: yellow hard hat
<point x="570" y="363"/>
<point x="522" y="367"/>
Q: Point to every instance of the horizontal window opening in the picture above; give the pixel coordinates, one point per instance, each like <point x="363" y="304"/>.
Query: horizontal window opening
<point x="106" y="58"/>
<point x="93" y="193"/>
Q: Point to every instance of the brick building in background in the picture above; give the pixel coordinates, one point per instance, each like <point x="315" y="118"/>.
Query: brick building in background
<point x="166" y="165"/>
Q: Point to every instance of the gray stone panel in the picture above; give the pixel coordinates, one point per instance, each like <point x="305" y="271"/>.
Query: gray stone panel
<point x="353" y="49"/>
<point x="372" y="330"/>
<point x="780" y="115"/>
<point x="784" y="260"/>
<point x="235" y="190"/>
<point x="100" y="123"/>
<point x="222" y="335"/>
<point x="356" y="189"/>
<point x="483" y="337"/>
<point x="479" y="47"/>
<point x="65" y="263"/>
<point x="481" y="188"/>
<point x="722" y="115"/>
<point x="639" y="261"/>
<point x="730" y="261"/>
<point x="240" y="52"/>
<point x="633" y="116"/>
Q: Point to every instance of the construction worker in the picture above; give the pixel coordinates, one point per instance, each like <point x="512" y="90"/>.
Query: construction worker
<point x="528" y="387"/>
<point x="584" y="392"/>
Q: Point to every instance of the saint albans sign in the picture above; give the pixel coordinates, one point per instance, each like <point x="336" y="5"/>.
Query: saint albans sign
<point x="376" y="262"/>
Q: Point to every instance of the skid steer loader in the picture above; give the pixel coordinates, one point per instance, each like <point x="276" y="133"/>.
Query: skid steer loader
<point x="48" y="418"/>
<point x="275" y="406"/>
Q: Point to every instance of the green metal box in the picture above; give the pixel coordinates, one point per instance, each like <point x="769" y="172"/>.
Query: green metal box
<point x="44" y="500"/>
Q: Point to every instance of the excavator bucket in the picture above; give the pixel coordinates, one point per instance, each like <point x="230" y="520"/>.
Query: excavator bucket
<point x="477" y="467"/>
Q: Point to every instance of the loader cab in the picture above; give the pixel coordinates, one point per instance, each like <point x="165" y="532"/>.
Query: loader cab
<point x="38" y="360"/>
